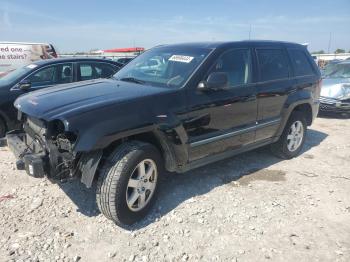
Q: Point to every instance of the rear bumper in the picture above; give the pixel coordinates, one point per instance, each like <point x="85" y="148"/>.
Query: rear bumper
<point x="334" y="105"/>
<point x="34" y="163"/>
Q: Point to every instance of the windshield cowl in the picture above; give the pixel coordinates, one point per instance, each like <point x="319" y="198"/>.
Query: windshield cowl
<point x="132" y="80"/>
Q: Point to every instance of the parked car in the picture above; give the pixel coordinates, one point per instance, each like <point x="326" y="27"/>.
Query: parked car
<point x="124" y="60"/>
<point x="17" y="54"/>
<point x="46" y="73"/>
<point x="329" y="67"/>
<point x="335" y="92"/>
<point x="208" y="101"/>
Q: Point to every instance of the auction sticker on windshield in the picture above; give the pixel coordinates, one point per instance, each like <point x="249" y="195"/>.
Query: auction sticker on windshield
<point x="31" y="66"/>
<point x="181" y="58"/>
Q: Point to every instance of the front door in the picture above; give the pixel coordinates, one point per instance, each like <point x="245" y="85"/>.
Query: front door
<point x="219" y="120"/>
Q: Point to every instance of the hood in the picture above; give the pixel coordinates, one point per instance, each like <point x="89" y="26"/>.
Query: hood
<point x="4" y="87"/>
<point x="335" y="87"/>
<point x="59" y="101"/>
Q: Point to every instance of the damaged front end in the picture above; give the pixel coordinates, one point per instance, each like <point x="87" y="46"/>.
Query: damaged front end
<point x="47" y="149"/>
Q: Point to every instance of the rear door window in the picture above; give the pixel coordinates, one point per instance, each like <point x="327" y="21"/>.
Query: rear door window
<point x="86" y="72"/>
<point x="273" y="64"/>
<point x="300" y="62"/>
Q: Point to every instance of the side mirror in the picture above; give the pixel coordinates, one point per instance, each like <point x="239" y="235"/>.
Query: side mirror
<point x="215" y="81"/>
<point x="25" y="85"/>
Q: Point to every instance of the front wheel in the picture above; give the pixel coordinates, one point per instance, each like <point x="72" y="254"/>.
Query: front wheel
<point x="127" y="185"/>
<point x="292" y="139"/>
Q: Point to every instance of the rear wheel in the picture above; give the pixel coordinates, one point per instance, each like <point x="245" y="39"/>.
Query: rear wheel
<point x="292" y="139"/>
<point x="127" y="185"/>
<point x="2" y="128"/>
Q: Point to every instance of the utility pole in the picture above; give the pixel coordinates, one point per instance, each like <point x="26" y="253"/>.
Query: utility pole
<point x="329" y="42"/>
<point x="250" y="30"/>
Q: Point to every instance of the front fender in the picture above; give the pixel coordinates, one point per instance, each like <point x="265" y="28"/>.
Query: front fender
<point x="168" y="131"/>
<point x="103" y="126"/>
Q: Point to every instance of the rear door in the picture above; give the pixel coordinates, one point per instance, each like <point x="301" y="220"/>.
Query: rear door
<point x="305" y="75"/>
<point x="272" y="89"/>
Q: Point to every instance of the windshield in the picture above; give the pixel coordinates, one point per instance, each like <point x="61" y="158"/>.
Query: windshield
<point x="337" y="71"/>
<point x="163" y="66"/>
<point x="16" y="74"/>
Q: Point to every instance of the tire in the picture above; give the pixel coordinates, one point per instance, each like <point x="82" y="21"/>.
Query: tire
<point x="121" y="180"/>
<point x="283" y="147"/>
<point x="2" y="128"/>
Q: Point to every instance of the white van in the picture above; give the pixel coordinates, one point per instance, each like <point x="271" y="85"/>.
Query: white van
<point x="17" y="54"/>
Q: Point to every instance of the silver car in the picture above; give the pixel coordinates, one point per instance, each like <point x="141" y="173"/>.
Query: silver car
<point x="335" y="92"/>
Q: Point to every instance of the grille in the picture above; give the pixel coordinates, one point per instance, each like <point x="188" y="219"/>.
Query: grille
<point x="326" y="107"/>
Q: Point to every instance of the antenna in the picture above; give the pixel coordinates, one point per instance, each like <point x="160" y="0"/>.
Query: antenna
<point x="329" y="42"/>
<point x="250" y="30"/>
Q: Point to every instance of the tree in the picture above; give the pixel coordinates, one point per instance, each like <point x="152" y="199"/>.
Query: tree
<point x="318" y="52"/>
<point x="80" y="53"/>
<point x="339" y="51"/>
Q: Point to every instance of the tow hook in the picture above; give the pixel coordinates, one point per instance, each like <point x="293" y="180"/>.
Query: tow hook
<point x="20" y="165"/>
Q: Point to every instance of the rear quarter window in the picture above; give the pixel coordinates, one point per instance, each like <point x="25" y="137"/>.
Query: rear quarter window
<point x="85" y="71"/>
<point x="300" y="62"/>
<point x="273" y="64"/>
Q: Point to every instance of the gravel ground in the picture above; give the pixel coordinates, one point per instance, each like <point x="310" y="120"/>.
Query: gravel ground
<point x="253" y="207"/>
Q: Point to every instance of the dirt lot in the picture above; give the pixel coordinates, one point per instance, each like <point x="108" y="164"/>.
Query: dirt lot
<point x="253" y="207"/>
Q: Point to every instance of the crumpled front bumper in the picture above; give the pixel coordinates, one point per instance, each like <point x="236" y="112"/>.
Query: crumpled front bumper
<point x="34" y="163"/>
<point x="334" y="105"/>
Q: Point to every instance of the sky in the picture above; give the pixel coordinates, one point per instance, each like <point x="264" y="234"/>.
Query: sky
<point x="77" y="25"/>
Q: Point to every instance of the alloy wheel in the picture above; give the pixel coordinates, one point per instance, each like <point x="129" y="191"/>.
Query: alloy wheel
<point x="295" y="136"/>
<point x="142" y="184"/>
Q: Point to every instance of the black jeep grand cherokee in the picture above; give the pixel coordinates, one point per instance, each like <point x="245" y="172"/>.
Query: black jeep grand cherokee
<point x="174" y="107"/>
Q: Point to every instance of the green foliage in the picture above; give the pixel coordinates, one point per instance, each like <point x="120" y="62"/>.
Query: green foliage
<point x="339" y="51"/>
<point x="318" y="52"/>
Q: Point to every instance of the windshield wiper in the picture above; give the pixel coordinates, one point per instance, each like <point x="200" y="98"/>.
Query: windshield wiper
<point x="132" y="79"/>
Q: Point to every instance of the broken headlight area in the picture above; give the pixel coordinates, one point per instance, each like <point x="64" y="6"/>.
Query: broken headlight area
<point x="49" y="149"/>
